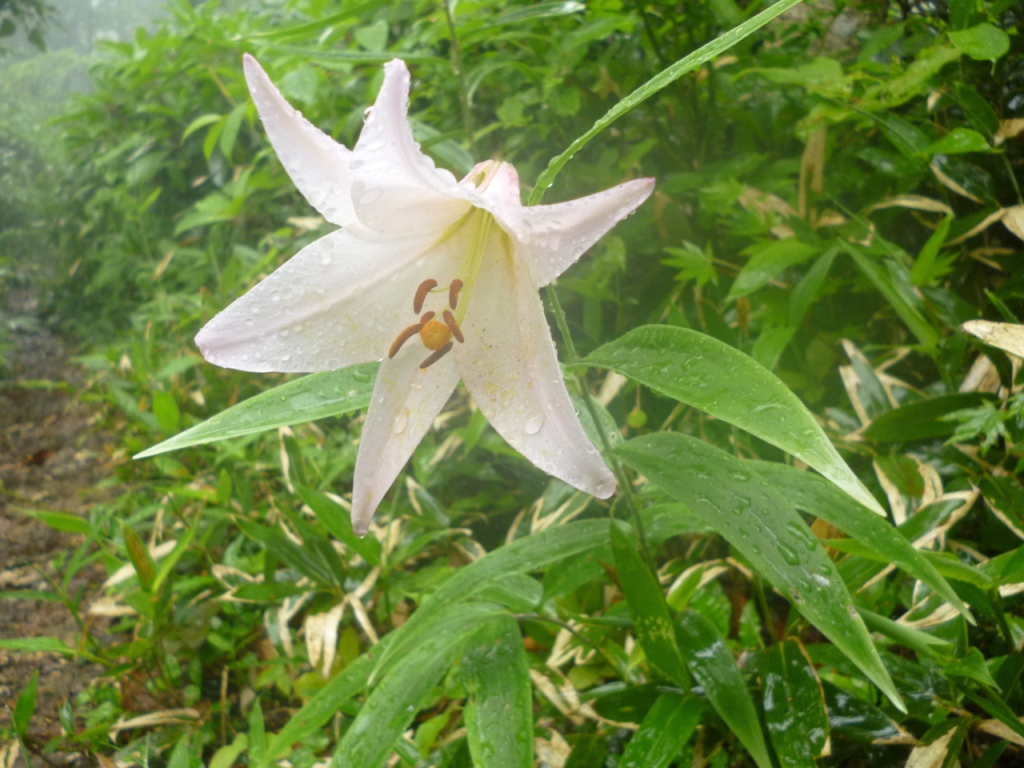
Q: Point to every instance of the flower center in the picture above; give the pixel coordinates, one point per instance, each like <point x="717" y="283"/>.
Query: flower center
<point x="437" y="333"/>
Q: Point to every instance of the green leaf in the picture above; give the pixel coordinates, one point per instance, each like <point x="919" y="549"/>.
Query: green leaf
<point x="285" y="550"/>
<point x="230" y="132"/>
<point x="25" y="706"/>
<point x="179" y="755"/>
<point x="928" y="267"/>
<point x="756" y="518"/>
<point x="314" y="28"/>
<point x="972" y="665"/>
<point x="806" y="492"/>
<point x="882" y="280"/>
<point x="652" y="621"/>
<point x="709" y="374"/>
<point x="166" y="411"/>
<point x="527" y="554"/>
<point x="589" y="751"/>
<point x="914" y="639"/>
<point x="984" y="41"/>
<point x="338" y="521"/>
<point x="325" y="703"/>
<point x="714" y="668"/>
<point x="957" y="142"/>
<point x="977" y="109"/>
<point x="996" y="707"/>
<point x="665" y="729"/>
<point x="37" y="645"/>
<point x="257" y="732"/>
<point x="61" y="521"/>
<point x="499" y="714"/>
<point x="227" y="756"/>
<point x="768" y="262"/>
<point x="200" y="122"/>
<point x="393" y="703"/>
<point x="667" y="76"/>
<point x="311" y="397"/>
<point x="922" y="420"/>
<point x="794" y="705"/>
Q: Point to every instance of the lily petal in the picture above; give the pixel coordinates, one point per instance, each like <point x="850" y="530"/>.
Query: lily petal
<point x="392" y="180"/>
<point x="552" y="237"/>
<point x="340" y="301"/>
<point x="510" y="368"/>
<point x="316" y="163"/>
<point x="405" y="402"/>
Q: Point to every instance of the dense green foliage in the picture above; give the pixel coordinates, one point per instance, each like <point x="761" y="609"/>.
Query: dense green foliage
<point x="835" y="196"/>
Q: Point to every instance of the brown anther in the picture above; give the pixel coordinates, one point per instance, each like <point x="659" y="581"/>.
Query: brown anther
<point x="408" y="333"/>
<point x="437" y="355"/>
<point x="403" y="337"/>
<point x="435" y="335"/>
<point x="453" y="295"/>
<point x="449" y="320"/>
<point x="421" y="294"/>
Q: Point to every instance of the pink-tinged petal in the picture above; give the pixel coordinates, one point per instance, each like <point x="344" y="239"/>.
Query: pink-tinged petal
<point x="552" y="237"/>
<point x="494" y="186"/>
<point x="316" y="163"/>
<point x="406" y="400"/>
<point x="393" y="182"/>
<point x="340" y="301"/>
<point x="509" y="366"/>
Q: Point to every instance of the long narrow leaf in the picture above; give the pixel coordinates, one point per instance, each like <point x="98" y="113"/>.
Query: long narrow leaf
<point x="714" y="667"/>
<point x="397" y="697"/>
<point x="315" y="396"/>
<point x="710" y="375"/>
<point x="499" y="715"/>
<point x="652" y="621"/>
<point x="756" y="519"/>
<point x="666" y="728"/>
<point x="667" y="76"/>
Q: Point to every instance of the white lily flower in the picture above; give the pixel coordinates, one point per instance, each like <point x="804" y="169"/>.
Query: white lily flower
<point x="436" y="277"/>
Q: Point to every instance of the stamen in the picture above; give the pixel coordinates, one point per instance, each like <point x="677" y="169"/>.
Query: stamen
<point x="427" y="317"/>
<point x="421" y="294"/>
<point x="449" y="320"/>
<point x="403" y="337"/>
<point x="453" y="293"/>
<point x="437" y="355"/>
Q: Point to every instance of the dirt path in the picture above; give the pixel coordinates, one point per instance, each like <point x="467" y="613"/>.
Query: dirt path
<point x="51" y="454"/>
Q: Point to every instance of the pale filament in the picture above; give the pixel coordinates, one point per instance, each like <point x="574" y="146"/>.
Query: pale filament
<point x="435" y="335"/>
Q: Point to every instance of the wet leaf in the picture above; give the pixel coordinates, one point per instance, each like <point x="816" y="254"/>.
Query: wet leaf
<point x="528" y="554"/>
<point x="323" y="706"/>
<point x="922" y="420"/>
<point x="651" y="619"/>
<point x="794" y="705"/>
<point x="402" y="689"/>
<point x="667" y="727"/>
<point x="499" y="714"/>
<point x="759" y="521"/>
<point x="311" y="397"/>
<point x="710" y="375"/>
<point x="714" y="668"/>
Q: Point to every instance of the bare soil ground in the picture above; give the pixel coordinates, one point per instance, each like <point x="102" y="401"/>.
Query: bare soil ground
<point x="51" y="455"/>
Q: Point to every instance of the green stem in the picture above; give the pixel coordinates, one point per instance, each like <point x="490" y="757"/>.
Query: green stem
<point x="467" y="114"/>
<point x="621" y="478"/>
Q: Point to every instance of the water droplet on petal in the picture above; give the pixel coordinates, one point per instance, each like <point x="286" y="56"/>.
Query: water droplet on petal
<point x="401" y="421"/>
<point x="533" y="424"/>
